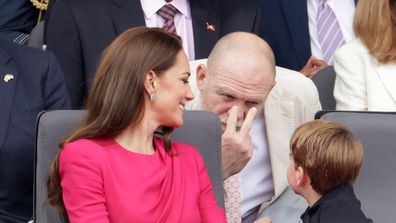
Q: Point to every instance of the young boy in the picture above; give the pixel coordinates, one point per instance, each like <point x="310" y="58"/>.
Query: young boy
<point x="325" y="161"/>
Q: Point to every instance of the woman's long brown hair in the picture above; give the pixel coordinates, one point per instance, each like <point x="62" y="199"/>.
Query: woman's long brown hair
<point x="117" y="96"/>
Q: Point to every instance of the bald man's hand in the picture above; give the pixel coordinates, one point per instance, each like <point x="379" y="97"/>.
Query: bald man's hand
<point x="237" y="145"/>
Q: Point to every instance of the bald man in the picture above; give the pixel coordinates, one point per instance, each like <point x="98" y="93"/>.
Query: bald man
<point x="259" y="111"/>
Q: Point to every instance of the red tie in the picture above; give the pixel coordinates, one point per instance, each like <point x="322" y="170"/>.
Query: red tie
<point x="168" y="12"/>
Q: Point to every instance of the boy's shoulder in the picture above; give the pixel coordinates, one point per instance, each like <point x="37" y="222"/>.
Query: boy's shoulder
<point x="338" y="205"/>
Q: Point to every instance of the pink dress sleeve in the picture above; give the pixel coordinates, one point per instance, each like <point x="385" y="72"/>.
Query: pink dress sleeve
<point x="82" y="184"/>
<point x="210" y="211"/>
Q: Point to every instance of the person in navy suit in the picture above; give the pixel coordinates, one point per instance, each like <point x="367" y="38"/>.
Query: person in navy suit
<point x="286" y="28"/>
<point x="17" y="19"/>
<point x="30" y="81"/>
<point x="78" y="30"/>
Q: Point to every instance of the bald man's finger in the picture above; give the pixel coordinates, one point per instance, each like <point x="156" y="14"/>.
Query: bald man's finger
<point x="232" y="120"/>
<point x="247" y="124"/>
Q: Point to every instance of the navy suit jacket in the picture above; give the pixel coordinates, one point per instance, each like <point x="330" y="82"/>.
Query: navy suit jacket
<point x="16" y="17"/>
<point x="79" y="30"/>
<point x="286" y="29"/>
<point x="37" y="85"/>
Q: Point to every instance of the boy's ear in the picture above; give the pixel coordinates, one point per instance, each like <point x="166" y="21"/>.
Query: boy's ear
<point x="302" y="176"/>
<point x="150" y="83"/>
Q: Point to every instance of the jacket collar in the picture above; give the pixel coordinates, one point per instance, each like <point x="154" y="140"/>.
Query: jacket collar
<point x="7" y="90"/>
<point x="387" y="75"/>
<point x="126" y="14"/>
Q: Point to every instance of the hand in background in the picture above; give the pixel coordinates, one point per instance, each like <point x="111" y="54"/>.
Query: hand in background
<point x="237" y="145"/>
<point x="313" y="66"/>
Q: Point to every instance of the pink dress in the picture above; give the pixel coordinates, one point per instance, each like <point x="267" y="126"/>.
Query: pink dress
<point x="103" y="182"/>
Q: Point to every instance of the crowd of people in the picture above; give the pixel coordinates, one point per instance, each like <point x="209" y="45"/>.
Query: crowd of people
<point x="127" y="62"/>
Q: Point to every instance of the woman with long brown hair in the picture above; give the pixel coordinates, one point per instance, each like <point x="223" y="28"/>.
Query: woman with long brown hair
<point x="113" y="168"/>
<point x="366" y="67"/>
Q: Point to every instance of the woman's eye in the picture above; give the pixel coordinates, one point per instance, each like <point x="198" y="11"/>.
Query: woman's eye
<point x="185" y="81"/>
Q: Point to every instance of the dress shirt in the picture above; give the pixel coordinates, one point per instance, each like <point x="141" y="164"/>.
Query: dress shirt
<point x="183" y="21"/>
<point x="344" y="10"/>
<point x="256" y="180"/>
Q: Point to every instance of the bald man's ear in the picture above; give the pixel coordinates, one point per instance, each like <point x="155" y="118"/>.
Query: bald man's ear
<point x="201" y="76"/>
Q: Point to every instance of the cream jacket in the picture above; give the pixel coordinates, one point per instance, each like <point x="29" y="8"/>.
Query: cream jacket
<point x="361" y="82"/>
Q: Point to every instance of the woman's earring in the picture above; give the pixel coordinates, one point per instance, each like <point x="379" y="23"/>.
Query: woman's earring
<point x="152" y="96"/>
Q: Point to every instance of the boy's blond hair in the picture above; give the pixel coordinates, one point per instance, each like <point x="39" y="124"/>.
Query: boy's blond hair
<point x="328" y="152"/>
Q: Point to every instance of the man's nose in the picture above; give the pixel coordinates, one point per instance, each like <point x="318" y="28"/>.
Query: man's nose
<point x="241" y="111"/>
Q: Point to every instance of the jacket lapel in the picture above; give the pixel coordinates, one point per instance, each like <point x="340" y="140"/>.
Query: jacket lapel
<point x="127" y="14"/>
<point x="279" y="127"/>
<point x="296" y="15"/>
<point x="387" y="74"/>
<point x="204" y="37"/>
<point x="7" y="91"/>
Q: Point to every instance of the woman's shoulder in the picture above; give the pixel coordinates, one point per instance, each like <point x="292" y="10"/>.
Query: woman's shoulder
<point x="84" y="143"/>
<point x="188" y="153"/>
<point x="185" y="148"/>
<point x="355" y="45"/>
<point x="84" y="147"/>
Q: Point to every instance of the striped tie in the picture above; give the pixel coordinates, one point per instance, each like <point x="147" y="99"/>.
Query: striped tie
<point x="168" y="12"/>
<point x="329" y="31"/>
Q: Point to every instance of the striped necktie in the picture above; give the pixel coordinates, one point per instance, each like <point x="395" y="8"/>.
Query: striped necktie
<point x="329" y="31"/>
<point x="168" y="12"/>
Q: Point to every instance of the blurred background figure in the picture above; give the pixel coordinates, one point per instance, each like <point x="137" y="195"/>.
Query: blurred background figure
<point x="124" y="172"/>
<point x="366" y="67"/>
<point x="31" y="81"/>
<point x="18" y="17"/>
<point x="298" y="34"/>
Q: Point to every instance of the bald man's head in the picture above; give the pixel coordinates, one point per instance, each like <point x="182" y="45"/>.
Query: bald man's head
<point x="236" y="48"/>
<point x="240" y="71"/>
